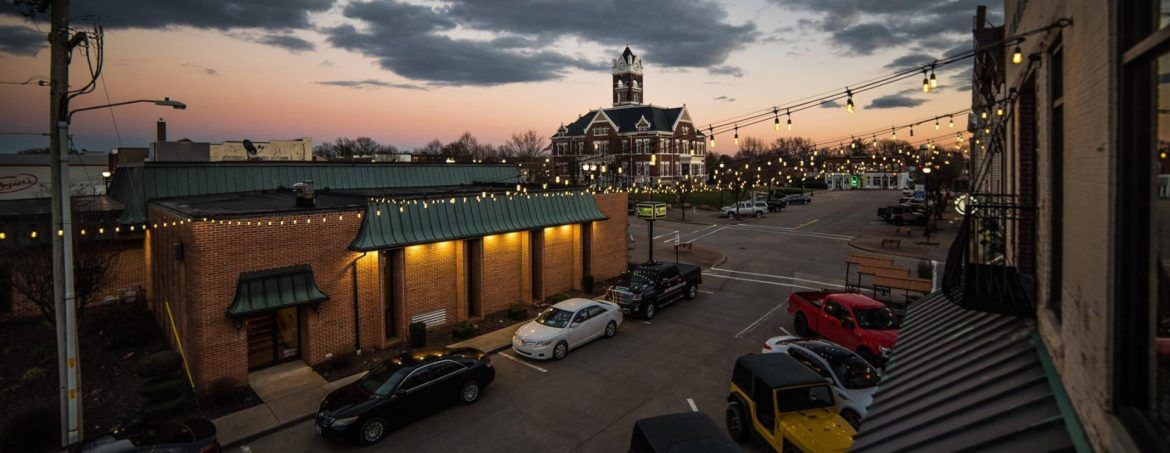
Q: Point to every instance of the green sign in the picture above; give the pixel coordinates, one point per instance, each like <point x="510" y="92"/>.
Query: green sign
<point x="651" y="210"/>
<point x="853" y="181"/>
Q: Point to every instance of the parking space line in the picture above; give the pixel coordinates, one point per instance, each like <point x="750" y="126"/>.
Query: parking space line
<point x="529" y="365"/>
<point x="708" y="234"/>
<point x="706" y="292"/>
<point x="786" y="332"/>
<point x="810" y="222"/>
<point x="836" y="237"/>
<point x="778" y="276"/>
<point x="665" y="234"/>
<point x="644" y="322"/>
<point x="761" y="281"/>
<point x="694" y="408"/>
<point x="678" y="238"/>
<point x="758" y="321"/>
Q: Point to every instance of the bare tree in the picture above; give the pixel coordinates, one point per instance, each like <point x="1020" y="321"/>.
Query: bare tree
<point x="365" y="146"/>
<point x="465" y="145"/>
<point x="432" y="147"/>
<point x="32" y="274"/>
<point x="751" y="148"/>
<point x="325" y="151"/>
<point x="526" y="145"/>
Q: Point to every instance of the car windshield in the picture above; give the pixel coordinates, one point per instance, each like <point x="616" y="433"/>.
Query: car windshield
<point x="856" y="373"/>
<point x="554" y="317"/>
<point x="382" y="379"/>
<point x="642" y="278"/>
<point x="804" y="398"/>
<point x="876" y="318"/>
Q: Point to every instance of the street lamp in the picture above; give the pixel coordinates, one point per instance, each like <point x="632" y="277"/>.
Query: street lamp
<point x="926" y="188"/>
<point x="64" y="298"/>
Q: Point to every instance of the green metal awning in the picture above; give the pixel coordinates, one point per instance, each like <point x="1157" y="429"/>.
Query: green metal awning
<point x="389" y="225"/>
<point x="274" y="289"/>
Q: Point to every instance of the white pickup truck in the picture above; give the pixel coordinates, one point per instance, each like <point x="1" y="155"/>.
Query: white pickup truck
<point x="745" y="208"/>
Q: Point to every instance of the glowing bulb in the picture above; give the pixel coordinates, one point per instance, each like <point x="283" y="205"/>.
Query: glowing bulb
<point x="1017" y="56"/>
<point x="849" y="105"/>
<point x="952" y="122"/>
<point x="936" y="124"/>
<point x="933" y="80"/>
<point x="925" y="82"/>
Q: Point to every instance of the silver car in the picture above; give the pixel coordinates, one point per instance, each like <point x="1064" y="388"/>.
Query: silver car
<point x="566" y="326"/>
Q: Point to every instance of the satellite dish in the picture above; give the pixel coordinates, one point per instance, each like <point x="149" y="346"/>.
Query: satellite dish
<point x="250" y="148"/>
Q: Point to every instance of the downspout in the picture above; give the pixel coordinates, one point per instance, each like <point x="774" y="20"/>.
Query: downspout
<point x="357" y="324"/>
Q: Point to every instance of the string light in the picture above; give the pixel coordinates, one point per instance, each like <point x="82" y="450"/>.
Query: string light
<point x="952" y="122"/>
<point x="788" y="113"/>
<point x="1017" y="56"/>
<point x="776" y="120"/>
<point x="933" y="79"/>
<point x="711" y="132"/>
<point x="736" y="135"/>
<point x="936" y="124"/>
<point x="849" y="100"/>
<point x="925" y="82"/>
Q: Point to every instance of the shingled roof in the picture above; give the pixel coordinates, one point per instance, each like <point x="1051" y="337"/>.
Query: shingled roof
<point x="626" y="118"/>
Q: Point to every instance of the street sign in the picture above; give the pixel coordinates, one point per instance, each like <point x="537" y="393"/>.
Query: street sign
<point x="920" y="194"/>
<point x="651" y="210"/>
<point x="853" y="181"/>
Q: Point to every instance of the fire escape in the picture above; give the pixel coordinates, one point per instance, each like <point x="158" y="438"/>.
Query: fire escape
<point x="991" y="264"/>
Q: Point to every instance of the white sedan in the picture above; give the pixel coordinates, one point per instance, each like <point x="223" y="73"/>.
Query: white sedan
<point x="565" y="326"/>
<point x="854" y="379"/>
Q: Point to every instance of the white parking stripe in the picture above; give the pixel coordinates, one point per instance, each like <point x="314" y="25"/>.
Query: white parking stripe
<point x="665" y="234"/>
<point x="694" y="408"/>
<point x="529" y="365"/>
<point x="708" y="274"/>
<point x="836" y="237"/>
<point x="706" y="292"/>
<point x="758" y="321"/>
<point x="778" y="276"/>
<point x="810" y="222"/>
<point x="786" y="332"/>
<point x="644" y="322"/>
<point x="708" y="234"/>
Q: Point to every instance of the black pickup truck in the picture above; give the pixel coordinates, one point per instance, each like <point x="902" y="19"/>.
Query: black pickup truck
<point x="651" y="286"/>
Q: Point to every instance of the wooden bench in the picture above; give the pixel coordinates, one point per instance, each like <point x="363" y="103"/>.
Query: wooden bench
<point x="891" y="243"/>
<point x="903" y="231"/>
<point x="684" y="247"/>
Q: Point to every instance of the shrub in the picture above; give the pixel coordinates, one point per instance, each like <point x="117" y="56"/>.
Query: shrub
<point x="557" y="298"/>
<point x="463" y="330"/>
<point x="34" y="373"/>
<point x="517" y="312"/>
<point x="224" y="390"/>
<point x="161" y="364"/>
<point x="32" y="430"/>
<point x="165" y="389"/>
<point x="418" y="334"/>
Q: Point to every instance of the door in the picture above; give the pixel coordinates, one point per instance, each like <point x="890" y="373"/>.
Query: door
<point x="536" y="252"/>
<point x="671" y="284"/>
<point x="273" y="337"/>
<point x="764" y="417"/>
<point x="830" y="323"/>
<point x="581" y="333"/>
<point x="473" y="274"/>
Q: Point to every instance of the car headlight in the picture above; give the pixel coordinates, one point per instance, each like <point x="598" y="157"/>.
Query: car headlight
<point x="344" y="422"/>
<point x="545" y="342"/>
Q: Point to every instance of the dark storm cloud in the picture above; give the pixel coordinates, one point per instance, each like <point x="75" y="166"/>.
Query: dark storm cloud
<point x="408" y="40"/>
<point x="369" y="83"/>
<point x="288" y="42"/>
<point x="865" y="26"/>
<point x="258" y="15"/>
<point x="21" y="41"/>
<point x="731" y="70"/>
<point x="667" y="33"/>
<point x="895" y="101"/>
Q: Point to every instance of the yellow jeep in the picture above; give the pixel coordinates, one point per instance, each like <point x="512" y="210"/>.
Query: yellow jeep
<point x="785" y="405"/>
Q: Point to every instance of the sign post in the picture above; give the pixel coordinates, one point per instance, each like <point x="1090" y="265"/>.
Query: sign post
<point x="650" y="211"/>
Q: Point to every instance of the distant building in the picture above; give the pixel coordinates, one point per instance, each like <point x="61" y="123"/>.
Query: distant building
<point x="630" y="142"/>
<point x="185" y="150"/>
<point x="25" y="176"/>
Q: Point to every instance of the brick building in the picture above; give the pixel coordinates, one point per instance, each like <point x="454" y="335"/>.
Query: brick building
<point x="252" y="273"/>
<point x="630" y="142"/>
<point x="1056" y="333"/>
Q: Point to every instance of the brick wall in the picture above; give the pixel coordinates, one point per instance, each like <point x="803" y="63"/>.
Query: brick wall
<point x="560" y="249"/>
<point x="127" y="277"/>
<point x="610" y="237"/>
<point x="504" y="271"/>
<point x="433" y="280"/>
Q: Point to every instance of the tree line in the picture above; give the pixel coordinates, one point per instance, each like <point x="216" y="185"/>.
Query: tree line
<point x="525" y="145"/>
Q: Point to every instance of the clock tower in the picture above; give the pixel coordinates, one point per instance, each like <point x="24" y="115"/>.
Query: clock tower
<point x="627" y="79"/>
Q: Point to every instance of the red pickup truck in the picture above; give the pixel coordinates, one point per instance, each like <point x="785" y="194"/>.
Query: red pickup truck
<point x="852" y="320"/>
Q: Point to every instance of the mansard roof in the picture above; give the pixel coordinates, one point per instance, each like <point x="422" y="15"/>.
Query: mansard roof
<point x="662" y="119"/>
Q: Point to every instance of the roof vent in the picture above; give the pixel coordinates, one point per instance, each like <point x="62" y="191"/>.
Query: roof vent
<point x="306" y="196"/>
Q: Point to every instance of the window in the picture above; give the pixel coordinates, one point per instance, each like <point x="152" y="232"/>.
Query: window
<point x="642" y="145"/>
<point x="580" y="147"/>
<point x="601" y="147"/>
<point x="836" y="310"/>
<point x="1056" y="179"/>
<point x="742" y="378"/>
<point x="810" y="362"/>
<point x="804" y="398"/>
<point x="417" y="378"/>
<point x="582" y="316"/>
<point x="765" y="406"/>
<point x="444" y="368"/>
<point x="601" y="131"/>
<point x="1141" y="297"/>
<point x="595" y="311"/>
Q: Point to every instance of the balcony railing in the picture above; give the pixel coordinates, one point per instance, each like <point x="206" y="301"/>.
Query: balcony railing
<point x="982" y="269"/>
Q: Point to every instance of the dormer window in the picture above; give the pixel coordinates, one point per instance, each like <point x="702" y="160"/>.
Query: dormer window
<point x="601" y="131"/>
<point x="643" y="124"/>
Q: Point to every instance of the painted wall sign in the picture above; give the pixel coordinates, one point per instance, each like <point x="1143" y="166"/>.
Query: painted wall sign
<point x="17" y="182"/>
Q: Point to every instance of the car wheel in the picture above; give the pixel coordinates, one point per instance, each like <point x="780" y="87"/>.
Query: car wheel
<point x="737" y="422"/>
<point x="650" y="311"/>
<point x="759" y="214"/>
<point x="373" y="430"/>
<point x="852" y="417"/>
<point x="470" y="392"/>
<point x="560" y="350"/>
<point x="610" y="329"/>
<point x="801" y="325"/>
<point x="692" y="291"/>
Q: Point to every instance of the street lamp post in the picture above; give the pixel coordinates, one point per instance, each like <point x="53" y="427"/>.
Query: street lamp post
<point x="64" y="297"/>
<point x="926" y="188"/>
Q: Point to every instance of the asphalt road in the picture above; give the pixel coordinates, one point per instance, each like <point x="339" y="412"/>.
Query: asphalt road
<point x="680" y="361"/>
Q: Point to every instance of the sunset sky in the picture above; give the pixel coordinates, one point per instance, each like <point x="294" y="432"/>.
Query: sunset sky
<point x="407" y="72"/>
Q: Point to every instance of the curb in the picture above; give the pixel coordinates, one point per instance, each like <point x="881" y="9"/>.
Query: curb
<point x="721" y="261"/>
<point x="266" y="431"/>
<point x="884" y="252"/>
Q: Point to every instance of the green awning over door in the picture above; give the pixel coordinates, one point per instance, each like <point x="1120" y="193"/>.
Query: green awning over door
<point x="274" y="289"/>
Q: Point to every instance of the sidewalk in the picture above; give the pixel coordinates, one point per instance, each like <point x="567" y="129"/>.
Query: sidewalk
<point x="870" y="240"/>
<point x="292" y="392"/>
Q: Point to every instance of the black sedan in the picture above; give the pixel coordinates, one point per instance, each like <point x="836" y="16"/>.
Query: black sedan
<point x="401" y="389"/>
<point x="191" y="436"/>
<point x="798" y="199"/>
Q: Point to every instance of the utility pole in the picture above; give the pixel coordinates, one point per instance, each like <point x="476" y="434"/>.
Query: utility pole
<point x="64" y="303"/>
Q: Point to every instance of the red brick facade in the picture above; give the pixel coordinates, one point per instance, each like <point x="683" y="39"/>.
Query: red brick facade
<point x="199" y="288"/>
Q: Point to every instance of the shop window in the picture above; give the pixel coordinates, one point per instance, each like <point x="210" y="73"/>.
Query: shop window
<point x="1141" y="383"/>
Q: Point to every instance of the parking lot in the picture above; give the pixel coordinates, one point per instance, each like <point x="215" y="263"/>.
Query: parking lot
<point x="681" y="361"/>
